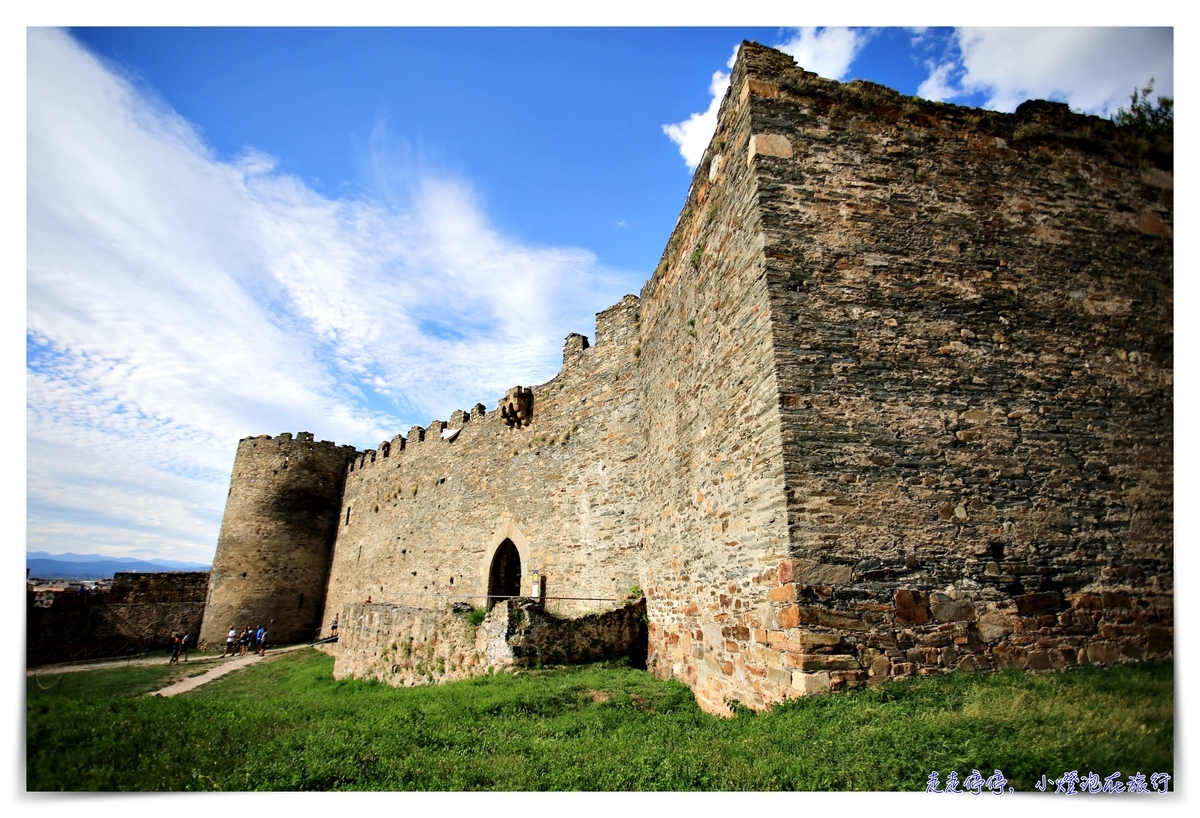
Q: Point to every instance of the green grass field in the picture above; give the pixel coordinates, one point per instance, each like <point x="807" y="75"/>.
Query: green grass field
<point x="287" y="725"/>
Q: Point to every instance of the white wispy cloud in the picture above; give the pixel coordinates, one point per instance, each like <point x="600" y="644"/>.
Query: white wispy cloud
<point x="177" y="302"/>
<point x="824" y="51"/>
<point x="1092" y="69"/>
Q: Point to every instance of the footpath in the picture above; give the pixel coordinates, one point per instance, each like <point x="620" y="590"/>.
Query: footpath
<point x="141" y="661"/>
<point x="228" y="665"/>
<point x="221" y="666"/>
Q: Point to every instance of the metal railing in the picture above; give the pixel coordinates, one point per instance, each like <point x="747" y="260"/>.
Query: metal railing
<point x="386" y="599"/>
<point x="400" y="598"/>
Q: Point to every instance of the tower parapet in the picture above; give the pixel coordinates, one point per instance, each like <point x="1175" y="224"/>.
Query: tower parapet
<point x="272" y="559"/>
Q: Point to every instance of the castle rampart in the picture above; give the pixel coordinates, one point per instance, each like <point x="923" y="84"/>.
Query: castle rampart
<point x="144" y="608"/>
<point x="425" y="523"/>
<point x="897" y="400"/>
<point x="970" y="319"/>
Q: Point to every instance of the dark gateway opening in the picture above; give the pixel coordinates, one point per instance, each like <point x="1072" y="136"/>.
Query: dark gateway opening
<point x="504" y="580"/>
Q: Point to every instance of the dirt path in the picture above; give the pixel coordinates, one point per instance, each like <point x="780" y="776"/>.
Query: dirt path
<point x="227" y="665"/>
<point x="141" y="661"/>
<point x="221" y="666"/>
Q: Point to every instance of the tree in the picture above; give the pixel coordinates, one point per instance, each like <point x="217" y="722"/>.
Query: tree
<point x="1144" y="116"/>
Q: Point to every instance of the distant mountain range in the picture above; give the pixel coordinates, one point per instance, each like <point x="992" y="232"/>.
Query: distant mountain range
<point x="97" y="566"/>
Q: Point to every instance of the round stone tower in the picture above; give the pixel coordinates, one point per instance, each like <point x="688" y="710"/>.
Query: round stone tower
<point x="273" y="553"/>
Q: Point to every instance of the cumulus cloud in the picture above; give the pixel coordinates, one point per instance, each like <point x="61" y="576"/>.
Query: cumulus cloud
<point x="937" y="86"/>
<point x="177" y="302"/>
<point x="825" y="51"/>
<point x="1092" y="69"/>
<point x="694" y="133"/>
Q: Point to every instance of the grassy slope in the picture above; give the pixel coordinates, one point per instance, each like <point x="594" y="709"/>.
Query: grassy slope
<point x="288" y="725"/>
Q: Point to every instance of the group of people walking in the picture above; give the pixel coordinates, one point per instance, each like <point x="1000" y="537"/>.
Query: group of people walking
<point x="180" y="642"/>
<point x="251" y="639"/>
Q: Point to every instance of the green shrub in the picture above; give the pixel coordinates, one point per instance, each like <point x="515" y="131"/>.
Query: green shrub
<point x="1145" y="117"/>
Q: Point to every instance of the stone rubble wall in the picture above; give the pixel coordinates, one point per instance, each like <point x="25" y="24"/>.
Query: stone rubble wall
<point x="538" y="638"/>
<point x="972" y="318"/>
<point x="138" y="607"/>
<point x="712" y="502"/>
<point x="423" y="515"/>
<point x="405" y="646"/>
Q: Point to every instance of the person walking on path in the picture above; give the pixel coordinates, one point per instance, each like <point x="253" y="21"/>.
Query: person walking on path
<point x="262" y="641"/>
<point x="175" y="646"/>
<point x="244" y="642"/>
<point x="184" y="645"/>
<point x="333" y="626"/>
<point x="229" y="640"/>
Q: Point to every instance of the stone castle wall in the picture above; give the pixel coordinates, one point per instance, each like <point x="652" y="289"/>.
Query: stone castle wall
<point x="138" y="607"/>
<point x="972" y="326"/>
<point x="897" y="399"/>
<point x="424" y="514"/>
<point x="712" y="501"/>
<point x="406" y="645"/>
<point x="403" y="645"/>
<point x="272" y="561"/>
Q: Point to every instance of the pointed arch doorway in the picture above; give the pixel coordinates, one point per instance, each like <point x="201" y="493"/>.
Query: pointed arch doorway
<point x="504" y="575"/>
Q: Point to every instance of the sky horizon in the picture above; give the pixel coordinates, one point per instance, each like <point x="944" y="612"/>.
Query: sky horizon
<point x="235" y="232"/>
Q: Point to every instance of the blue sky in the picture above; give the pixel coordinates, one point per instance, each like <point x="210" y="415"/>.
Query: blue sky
<point x="234" y="232"/>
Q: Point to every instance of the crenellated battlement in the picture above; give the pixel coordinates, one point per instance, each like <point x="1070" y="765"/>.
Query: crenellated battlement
<point x="438" y="431"/>
<point x="286" y="440"/>
<point x="616" y="333"/>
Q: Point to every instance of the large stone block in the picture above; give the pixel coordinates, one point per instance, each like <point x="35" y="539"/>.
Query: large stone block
<point x="945" y="609"/>
<point x="811" y="683"/>
<point x="994" y="625"/>
<point x="811" y="662"/>
<point x="769" y="145"/>
<point x="912" y="607"/>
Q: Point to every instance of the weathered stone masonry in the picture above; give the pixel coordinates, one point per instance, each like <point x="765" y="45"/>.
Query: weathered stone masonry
<point x="272" y="562"/>
<point x="423" y="516"/>
<point x="147" y="608"/>
<point x="406" y="645"/>
<point x="896" y="400"/>
<point x="972" y="317"/>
